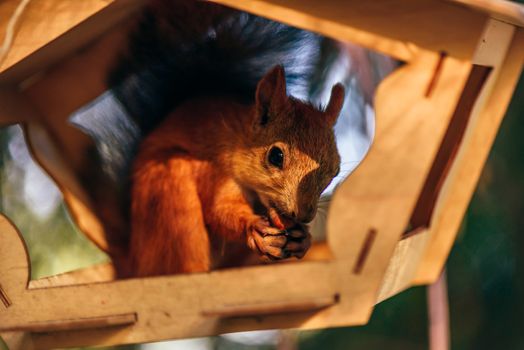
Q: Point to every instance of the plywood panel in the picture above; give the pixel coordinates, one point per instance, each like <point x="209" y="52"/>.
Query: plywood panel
<point x="469" y="162"/>
<point x="59" y="36"/>
<point x="505" y="11"/>
<point x="43" y="21"/>
<point x="410" y="260"/>
<point x="395" y="28"/>
<point x="382" y="192"/>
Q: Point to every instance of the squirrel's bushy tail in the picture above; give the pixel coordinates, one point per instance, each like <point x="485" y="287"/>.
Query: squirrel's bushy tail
<point x="182" y="49"/>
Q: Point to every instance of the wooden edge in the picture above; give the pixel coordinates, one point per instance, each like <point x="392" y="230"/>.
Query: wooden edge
<point x="413" y="232"/>
<point x="75" y="324"/>
<point x="288" y="306"/>
<point x="105" y="272"/>
<point x="47" y="155"/>
<point x="73" y="39"/>
<point x="94" y="274"/>
<point x="506" y="11"/>
<point x="403" y="265"/>
<point x="402" y="51"/>
<point x="14" y="256"/>
<point x="35" y="29"/>
<point x="430" y="25"/>
<point x="58" y="315"/>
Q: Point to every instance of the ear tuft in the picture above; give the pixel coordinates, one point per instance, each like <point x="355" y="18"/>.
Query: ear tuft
<point x="271" y="90"/>
<point x="335" y="104"/>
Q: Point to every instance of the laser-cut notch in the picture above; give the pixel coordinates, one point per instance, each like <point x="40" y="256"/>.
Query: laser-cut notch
<point x="75" y="324"/>
<point x="364" y="251"/>
<point x="4" y="298"/>
<point x="436" y="74"/>
<point x="272" y="308"/>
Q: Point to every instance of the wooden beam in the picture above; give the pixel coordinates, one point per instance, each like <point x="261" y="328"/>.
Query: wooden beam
<point x="75" y="323"/>
<point x="505" y="11"/>
<point x="395" y="28"/>
<point x="30" y="58"/>
<point x="43" y="21"/>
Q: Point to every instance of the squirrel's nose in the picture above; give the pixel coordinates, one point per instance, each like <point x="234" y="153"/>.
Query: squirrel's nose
<point x="307" y="214"/>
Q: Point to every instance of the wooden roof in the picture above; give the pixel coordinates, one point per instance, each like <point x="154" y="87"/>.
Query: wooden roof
<point x="439" y="25"/>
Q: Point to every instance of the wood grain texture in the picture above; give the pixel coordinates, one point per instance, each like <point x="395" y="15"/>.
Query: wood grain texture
<point x="35" y="29"/>
<point x="383" y="190"/>
<point x="77" y="323"/>
<point x="412" y="256"/>
<point x="505" y="11"/>
<point x="29" y="58"/>
<point x="380" y="195"/>
<point x="425" y="24"/>
<point x="489" y="111"/>
<point x="284" y="307"/>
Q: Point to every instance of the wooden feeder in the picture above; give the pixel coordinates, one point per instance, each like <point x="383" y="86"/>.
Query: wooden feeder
<point x="391" y="224"/>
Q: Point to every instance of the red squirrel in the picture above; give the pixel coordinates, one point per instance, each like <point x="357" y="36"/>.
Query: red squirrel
<point x="199" y="177"/>
<point x="188" y="140"/>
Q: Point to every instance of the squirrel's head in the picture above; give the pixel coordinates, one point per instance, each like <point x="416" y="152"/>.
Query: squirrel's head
<point x="289" y="155"/>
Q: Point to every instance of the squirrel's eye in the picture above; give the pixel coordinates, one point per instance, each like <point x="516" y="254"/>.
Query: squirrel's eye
<point x="276" y="157"/>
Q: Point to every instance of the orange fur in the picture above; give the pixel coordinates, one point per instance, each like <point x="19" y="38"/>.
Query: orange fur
<point x="200" y="176"/>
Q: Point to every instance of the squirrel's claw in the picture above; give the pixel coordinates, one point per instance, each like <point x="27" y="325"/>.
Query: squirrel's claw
<point x="263" y="226"/>
<point x="268" y="241"/>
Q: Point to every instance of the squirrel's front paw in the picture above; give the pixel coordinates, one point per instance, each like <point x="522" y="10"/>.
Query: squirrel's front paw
<point x="275" y="244"/>
<point x="267" y="240"/>
<point x="298" y="240"/>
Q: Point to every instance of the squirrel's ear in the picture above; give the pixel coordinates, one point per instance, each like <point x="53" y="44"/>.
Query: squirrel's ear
<point x="271" y="90"/>
<point x="335" y="103"/>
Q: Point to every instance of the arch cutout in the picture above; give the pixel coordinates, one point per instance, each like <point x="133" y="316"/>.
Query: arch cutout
<point x="83" y="104"/>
